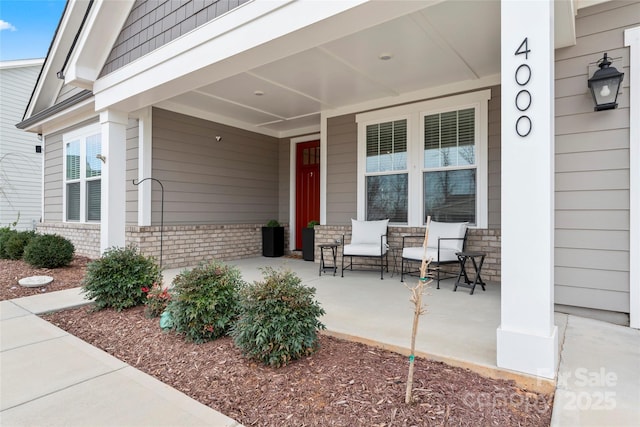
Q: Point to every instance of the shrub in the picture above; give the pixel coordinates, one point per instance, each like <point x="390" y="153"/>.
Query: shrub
<point x="49" y="251"/>
<point x="204" y="303"/>
<point x="157" y="300"/>
<point x="121" y="278"/>
<point x="278" y="319"/>
<point x="15" y="244"/>
<point x="5" y="234"/>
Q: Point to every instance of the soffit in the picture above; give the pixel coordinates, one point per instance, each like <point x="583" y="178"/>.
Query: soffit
<point x="442" y="44"/>
<point x="446" y="44"/>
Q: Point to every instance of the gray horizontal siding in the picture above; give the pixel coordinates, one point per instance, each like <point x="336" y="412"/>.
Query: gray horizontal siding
<point x="53" y="161"/>
<point x="494" y="159"/>
<point x="154" y="23"/>
<point x="132" y="173"/>
<point x="20" y="165"/>
<point x="283" y="179"/>
<point x="600" y="299"/>
<point x="67" y="92"/>
<point x="209" y="182"/>
<point x="342" y="158"/>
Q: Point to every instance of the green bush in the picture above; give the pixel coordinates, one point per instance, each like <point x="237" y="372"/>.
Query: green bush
<point x="204" y="301"/>
<point x="121" y="278"/>
<point x="278" y="319"/>
<point x="15" y="244"/>
<point x="157" y="301"/>
<point x="49" y="251"/>
<point x="5" y="234"/>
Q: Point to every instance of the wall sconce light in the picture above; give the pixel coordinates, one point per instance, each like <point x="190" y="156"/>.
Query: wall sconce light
<point x="604" y="85"/>
<point x="101" y="157"/>
<point x="218" y="138"/>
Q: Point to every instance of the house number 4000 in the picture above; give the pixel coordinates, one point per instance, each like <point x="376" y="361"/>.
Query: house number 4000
<point x="523" y="98"/>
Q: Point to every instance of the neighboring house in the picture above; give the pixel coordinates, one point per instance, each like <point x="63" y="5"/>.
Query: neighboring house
<point x="20" y="158"/>
<point x="463" y="110"/>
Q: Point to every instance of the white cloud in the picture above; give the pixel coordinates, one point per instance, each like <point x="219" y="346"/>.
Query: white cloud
<point x="4" y="25"/>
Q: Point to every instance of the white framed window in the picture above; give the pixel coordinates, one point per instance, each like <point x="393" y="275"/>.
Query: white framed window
<point x="387" y="177"/>
<point x="82" y="173"/>
<point x="425" y="158"/>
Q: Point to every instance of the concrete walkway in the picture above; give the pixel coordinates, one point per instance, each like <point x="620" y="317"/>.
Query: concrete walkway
<point x="48" y="377"/>
<point x="51" y="378"/>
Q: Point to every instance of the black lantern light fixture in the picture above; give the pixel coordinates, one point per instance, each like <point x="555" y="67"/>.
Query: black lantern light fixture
<point x="604" y="85"/>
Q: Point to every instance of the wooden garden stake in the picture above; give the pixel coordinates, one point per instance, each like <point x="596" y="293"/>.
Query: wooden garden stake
<point x="419" y="309"/>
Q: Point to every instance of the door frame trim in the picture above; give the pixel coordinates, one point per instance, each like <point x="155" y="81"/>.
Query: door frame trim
<point x="292" y="181"/>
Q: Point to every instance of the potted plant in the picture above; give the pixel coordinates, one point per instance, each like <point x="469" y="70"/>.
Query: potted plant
<point x="273" y="239"/>
<point x="308" y="241"/>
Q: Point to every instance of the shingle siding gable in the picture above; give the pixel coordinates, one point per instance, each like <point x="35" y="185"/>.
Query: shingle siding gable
<point x="154" y="23"/>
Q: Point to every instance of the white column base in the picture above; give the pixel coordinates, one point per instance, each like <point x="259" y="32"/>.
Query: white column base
<point x="531" y="354"/>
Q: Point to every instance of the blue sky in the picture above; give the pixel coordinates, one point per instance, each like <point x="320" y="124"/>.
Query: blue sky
<point x="27" y="27"/>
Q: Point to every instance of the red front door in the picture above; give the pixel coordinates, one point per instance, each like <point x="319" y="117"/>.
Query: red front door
<point x="307" y="186"/>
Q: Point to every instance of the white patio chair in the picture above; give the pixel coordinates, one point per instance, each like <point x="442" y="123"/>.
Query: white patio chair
<point x="367" y="239"/>
<point x="445" y="239"/>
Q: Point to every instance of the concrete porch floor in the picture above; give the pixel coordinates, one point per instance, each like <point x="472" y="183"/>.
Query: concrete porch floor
<point x="457" y="328"/>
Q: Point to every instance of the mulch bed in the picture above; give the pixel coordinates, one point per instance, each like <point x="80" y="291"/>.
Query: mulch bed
<point x="343" y="384"/>
<point x="63" y="278"/>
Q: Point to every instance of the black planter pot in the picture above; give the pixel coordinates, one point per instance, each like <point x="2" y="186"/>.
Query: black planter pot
<point x="308" y="244"/>
<point x="272" y="241"/>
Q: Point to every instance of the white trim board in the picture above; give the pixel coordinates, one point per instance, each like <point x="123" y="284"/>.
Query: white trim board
<point x="632" y="40"/>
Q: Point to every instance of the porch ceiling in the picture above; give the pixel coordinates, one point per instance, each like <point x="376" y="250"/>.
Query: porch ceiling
<point x="445" y="43"/>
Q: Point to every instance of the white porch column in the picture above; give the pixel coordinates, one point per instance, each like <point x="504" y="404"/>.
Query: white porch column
<point x="527" y="337"/>
<point x="144" y="167"/>
<point x="112" y="218"/>
<point x="632" y="39"/>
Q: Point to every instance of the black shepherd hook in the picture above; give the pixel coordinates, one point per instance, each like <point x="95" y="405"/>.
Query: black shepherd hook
<point x="161" y="210"/>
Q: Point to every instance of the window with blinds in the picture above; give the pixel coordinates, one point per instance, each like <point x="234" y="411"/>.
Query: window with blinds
<point x="449" y="139"/>
<point x="94" y="164"/>
<point x="386" y="166"/>
<point x="449" y="174"/>
<point x="82" y="175"/>
<point x="73" y="160"/>
<point x="387" y="146"/>
<point x="73" y="201"/>
<point x="94" y="189"/>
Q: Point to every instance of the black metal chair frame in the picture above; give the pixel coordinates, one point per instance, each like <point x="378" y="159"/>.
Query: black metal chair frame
<point x="384" y="257"/>
<point x="435" y="270"/>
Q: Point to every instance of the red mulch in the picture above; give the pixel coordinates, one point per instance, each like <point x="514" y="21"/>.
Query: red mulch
<point x="63" y="278"/>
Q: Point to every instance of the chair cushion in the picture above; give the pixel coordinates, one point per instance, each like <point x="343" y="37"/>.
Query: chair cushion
<point x="447" y="229"/>
<point x="415" y="253"/>
<point x="369" y="249"/>
<point x="368" y="232"/>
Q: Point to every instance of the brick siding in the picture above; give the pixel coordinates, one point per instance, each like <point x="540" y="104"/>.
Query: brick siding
<point x="482" y="240"/>
<point x="85" y="237"/>
<point x="187" y="245"/>
<point x="182" y="245"/>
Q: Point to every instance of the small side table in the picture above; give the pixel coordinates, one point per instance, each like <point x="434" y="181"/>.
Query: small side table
<point x="395" y="251"/>
<point x="334" y="254"/>
<point x="477" y="259"/>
